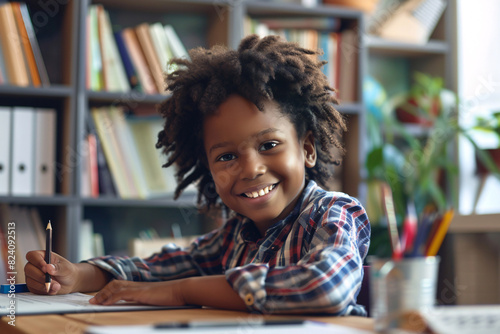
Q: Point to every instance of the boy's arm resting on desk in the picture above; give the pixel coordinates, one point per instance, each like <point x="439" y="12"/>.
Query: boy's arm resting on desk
<point x="213" y="291"/>
<point x="171" y="263"/>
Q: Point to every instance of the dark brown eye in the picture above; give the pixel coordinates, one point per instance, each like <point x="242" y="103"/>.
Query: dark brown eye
<point x="268" y="145"/>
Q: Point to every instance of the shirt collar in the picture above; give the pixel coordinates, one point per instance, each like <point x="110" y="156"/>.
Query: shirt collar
<point x="249" y="231"/>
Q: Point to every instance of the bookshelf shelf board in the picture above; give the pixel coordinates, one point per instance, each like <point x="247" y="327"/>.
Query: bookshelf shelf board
<point x="126" y="97"/>
<point x="188" y="200"/>
<point x="281" y="9"/>
<point x="349" y="108"/>
<point x="49" y="92"/>
<point x="177" y="5"/>
<point x="479" y="223"/>
<point x="380" y="46"/>
<point x="38" y="200"/>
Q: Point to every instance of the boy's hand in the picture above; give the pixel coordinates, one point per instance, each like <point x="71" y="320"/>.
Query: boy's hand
<point x="151" y="293"/>
<point x="64" y="273"/>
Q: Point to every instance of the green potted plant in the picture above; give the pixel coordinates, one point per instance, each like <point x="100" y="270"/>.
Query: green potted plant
<point x="491" y="126"/>
<point x="415" y="157"/>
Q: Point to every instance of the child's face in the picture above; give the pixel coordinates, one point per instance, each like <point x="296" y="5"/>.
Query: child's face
<point x="256" y="160"/>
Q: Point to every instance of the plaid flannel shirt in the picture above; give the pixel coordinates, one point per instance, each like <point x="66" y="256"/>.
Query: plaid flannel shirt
<point x="311" y="261"/>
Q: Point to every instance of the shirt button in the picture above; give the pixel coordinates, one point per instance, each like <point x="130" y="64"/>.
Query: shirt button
<point x="249" y="299"/>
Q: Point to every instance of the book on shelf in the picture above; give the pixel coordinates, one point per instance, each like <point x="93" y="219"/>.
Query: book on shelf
<point x="34" y="47"/>
<point x="29" y="56"/>
<point x="128" y="65"/>
<point x="12" y="47"/>
<point x="138" y="59"/>
<point x="160" y="44"/>
<point x="152" y="59"/>
<point x="93" y="166"/>
<point x="159" y="181"/>
<point x="175" y="43"/>
<point x="94" y="61"/>
<point x="95" y="155"/>
<point x="128" y="150"/>
<point x="410" y="21"/>
<point x="113" y="71"/>
<point x="115" y="159"/>
<point x="328" y="43"/>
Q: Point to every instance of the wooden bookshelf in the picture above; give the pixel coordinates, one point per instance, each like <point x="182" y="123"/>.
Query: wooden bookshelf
<point x="199" y="23"/>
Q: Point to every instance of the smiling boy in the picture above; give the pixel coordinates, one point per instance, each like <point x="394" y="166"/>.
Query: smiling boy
<point x="254" y="129"/>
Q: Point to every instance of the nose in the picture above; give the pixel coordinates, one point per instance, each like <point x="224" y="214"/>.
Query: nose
<point x="252" y="166"/>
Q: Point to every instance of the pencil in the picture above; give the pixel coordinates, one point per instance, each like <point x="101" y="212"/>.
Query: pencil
<point x="391" y="222"/>
<point x="48" y="250"/>
<point x="437" y="239"/>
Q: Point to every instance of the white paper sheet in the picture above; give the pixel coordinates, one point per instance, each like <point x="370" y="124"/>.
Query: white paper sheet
<point x="307" y="327"/>
<point x="29" y="303"/>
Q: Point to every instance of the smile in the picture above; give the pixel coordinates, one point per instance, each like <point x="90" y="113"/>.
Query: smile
<point x="261" y="192"/>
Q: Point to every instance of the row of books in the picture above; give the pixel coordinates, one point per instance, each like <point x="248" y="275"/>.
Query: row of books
<point x="339" y="47"/>
<point x="131" y="58"/>
<point x="122" y="159"/>
<point x="27" y="151"/>
<point x="21" y="62"/>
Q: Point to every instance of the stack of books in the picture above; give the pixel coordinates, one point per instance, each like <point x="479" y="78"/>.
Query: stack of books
<point x="131" y="58"/>
<point x="21" y="62"/>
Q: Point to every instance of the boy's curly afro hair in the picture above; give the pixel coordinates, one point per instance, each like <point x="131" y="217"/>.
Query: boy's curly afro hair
<point x="260" y="70"/>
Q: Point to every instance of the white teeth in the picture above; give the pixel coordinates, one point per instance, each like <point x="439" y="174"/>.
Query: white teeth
<point x="261" y="192"/>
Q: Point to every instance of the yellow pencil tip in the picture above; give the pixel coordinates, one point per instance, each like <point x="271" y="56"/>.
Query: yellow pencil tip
<point x="49" y="226"/>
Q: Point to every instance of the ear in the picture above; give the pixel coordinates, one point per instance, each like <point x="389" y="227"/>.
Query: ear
<point x="309" y="148"/>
